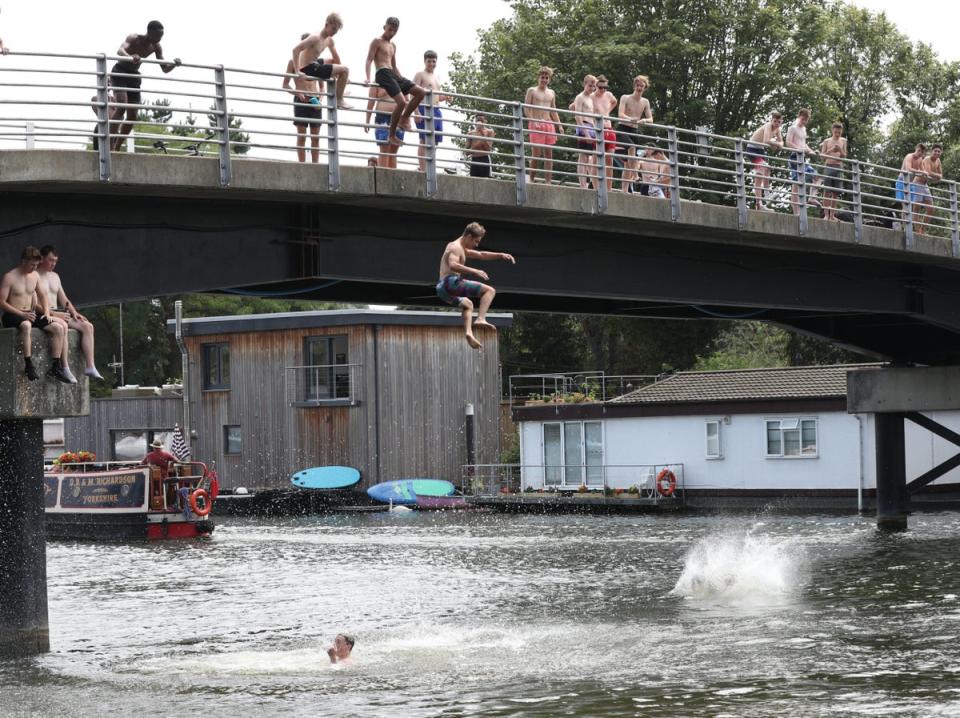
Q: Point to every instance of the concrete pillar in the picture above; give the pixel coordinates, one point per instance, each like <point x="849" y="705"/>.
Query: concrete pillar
<point x="23" y="540"/>
<point x="893" y="500"/>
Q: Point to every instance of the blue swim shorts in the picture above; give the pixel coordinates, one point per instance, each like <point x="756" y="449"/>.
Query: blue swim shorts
<point x="382" y="123"/>
<point x="437" y="123"/>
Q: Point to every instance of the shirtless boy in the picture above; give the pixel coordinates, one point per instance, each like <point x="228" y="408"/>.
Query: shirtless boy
<point x="906" y="187"/>
<point x="586" y="131"/>
<point x="634" y="112"/>
<point x="428" y="80"/>
<point x="931" y="173"/>
<point x="767" y="138"/>
<point x="381" y="105"/>
<point x="62" y="310"/>
<point x="127" y="89"/>
<point x="341" y="649"/>
<point x="479" y="146"/>
<point x="834" y="151"/>
<point x="306" y="57"/>
<point x="543" y="124"/>
<point x="25" y="307"/>
<point x="454" y="289"/>
<point x="307" y="110"/>
<point x="604" y="101"/>
<point x="654" y="172"/>
<point x="799" y="152"/>
<point x="383" y="55"/>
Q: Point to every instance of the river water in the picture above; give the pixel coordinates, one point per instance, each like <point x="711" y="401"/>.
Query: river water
<point x="499" y="615"/>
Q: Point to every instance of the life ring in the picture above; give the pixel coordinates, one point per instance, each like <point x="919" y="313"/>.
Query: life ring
<point x="666" y="482"/>
<point x="207" y="503"/>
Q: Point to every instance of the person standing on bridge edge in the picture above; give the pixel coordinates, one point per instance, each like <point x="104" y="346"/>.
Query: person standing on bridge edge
<point x="383" y="55"/>
<point x="834" y="151"/>
<point x="127" y="84"/>
<point x="25" y="307"/>
<point x="307" y="60"/>
<point x="427" y="79"/>
<point x="932" y="172"/>
<point x="543" y="125"/>
<point x="457" y="291"/>
<point x="634" y="111"/>
<point x="307" y="110"/>
<point x="767" y="137"/>
<point x="800" y="151"/>
<point x="479" y="146"/>
<point x="62" y="310"/>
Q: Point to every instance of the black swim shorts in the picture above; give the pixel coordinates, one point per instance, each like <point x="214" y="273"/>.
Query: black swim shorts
<point x="479" y="166"/>
<point x="392" y="84"/>
<point x="320" y="70"/>
<point x="129" y="85"/>
<point x="626" y="136"/>
<point x="303" y="109"/>
<point x="13" y="321"/>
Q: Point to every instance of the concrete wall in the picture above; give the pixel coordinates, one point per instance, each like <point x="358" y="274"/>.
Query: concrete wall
<point x="46" y="397"/>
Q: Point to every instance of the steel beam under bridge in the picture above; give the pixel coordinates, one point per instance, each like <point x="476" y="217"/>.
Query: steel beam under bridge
<point x="162" y="226"/>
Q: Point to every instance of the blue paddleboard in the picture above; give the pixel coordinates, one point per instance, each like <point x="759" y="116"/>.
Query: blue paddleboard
<point x="404" y="492"/>
<point x="326" y="477"/>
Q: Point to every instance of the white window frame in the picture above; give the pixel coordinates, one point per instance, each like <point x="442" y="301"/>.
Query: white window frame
<point x="793" y="423"/>
<point x="583" y="452"/>
<point x="706" y="438"/>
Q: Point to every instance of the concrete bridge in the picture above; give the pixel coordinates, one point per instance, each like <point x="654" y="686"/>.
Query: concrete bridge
<point x="164" y="225"/>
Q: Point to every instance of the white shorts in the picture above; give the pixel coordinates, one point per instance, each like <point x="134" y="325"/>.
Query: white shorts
<point x="655" y="191"/>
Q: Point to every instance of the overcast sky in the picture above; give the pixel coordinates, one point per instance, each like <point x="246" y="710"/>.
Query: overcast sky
<point x="238" y="35"/>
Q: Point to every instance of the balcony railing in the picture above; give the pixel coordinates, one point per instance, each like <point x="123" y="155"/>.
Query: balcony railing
<point x="323" y="384"/>
<point x="66" y="101"/>
<point x="573" y="387"/>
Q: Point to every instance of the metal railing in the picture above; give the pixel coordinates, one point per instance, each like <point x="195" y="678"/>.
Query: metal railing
<point x="611" y="480"/>
<point x="48" y="99"/>
<point x="322" y="384"/>
<point x="572" y="387"/>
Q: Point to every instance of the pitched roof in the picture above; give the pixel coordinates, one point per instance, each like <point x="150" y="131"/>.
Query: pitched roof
<point x="804" y="382"/>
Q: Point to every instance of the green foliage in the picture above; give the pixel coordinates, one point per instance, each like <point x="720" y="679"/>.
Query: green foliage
<point x="754" y="345"/>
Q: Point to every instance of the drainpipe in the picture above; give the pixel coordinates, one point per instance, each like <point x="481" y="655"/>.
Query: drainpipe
<point x="184" y="372"/>
<point x="860" y="456"/>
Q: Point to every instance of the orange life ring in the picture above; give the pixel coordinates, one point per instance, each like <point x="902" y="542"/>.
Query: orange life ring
<point x="207" y="503"/>
<point x="666" y="482"/>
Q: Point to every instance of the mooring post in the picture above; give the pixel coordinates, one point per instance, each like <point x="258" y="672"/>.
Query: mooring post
<point x="471" y="450"/>
<point x="893" y="500"/>
<point x="23" y="541"/>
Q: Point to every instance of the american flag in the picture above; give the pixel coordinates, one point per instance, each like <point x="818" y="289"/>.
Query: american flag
<point x="179" y="446"/>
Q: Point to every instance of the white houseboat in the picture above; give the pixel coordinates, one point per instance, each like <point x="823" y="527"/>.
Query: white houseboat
<point x="742" y="437"/>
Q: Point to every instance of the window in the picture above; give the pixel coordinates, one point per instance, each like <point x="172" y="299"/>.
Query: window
<point x="714" y="450"/>
<point x="792" y="438"/>
<point x="216" y="366"/>
<point x="133" y="444"/>
<point x="326" y="371"/>
<point x="231" y="439"/>
<point x="573" y="453"/>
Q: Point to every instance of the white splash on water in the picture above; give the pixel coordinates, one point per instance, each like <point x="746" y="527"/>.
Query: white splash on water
<point x="745" y="567"/>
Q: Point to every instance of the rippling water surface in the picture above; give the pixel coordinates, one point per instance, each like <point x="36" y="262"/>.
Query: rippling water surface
<point x="493" y="615"/>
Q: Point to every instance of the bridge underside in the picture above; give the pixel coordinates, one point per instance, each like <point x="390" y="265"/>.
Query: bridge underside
<point x="369" y="250"/>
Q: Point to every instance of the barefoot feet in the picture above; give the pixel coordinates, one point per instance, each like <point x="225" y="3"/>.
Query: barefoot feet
<point x="472" y="341"/>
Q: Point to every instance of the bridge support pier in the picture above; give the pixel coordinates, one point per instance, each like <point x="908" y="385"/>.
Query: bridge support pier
<point x="23" y="538"/>
<point x="893" y="500"/>
<point x="893" y="395"/>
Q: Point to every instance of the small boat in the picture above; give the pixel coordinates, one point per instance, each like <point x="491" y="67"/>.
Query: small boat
<point x="442" y="503"/>
<point x="124" y="500"/>
<point x="404" y="492"/>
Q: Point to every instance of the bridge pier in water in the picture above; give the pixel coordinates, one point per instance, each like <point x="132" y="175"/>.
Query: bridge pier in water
<point x="896" y="395"/>
<point x="24" y="405"/>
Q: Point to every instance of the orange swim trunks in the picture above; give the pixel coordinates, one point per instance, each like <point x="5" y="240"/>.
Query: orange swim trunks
<point x="542" y="132"/>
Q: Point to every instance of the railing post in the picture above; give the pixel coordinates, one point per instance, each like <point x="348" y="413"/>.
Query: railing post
<point x="801" y="166"/>
<point x="223" y="126"/>
<point x="519" y="156"/>
<point x="674" y="173"/>
<point x="103" y="118"/>
<point x="908" y="220"/>
<point x="857" y="202"/>
<point x="601" y="167"/>
<point x="431" y="146"/>
<point x="29" y="136"/>
<point x="333" y="140"/>
<point x="954" y="220"/>
<point x="741" y="180"/>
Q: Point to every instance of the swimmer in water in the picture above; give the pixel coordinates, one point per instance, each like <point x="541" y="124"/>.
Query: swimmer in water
<point x="341" y="649"/>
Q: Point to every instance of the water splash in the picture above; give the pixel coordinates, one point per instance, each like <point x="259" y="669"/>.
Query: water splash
<point x="741" y="567"/>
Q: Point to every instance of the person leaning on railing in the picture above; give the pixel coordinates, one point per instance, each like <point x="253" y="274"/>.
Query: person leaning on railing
<point x="479" y="147"/>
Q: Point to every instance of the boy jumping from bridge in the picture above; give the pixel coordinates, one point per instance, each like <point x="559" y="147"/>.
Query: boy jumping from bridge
<point x="454" y="289"/>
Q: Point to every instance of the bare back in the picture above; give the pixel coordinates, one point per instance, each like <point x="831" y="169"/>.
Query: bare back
<point x="382" y="102"/>
<point x="453" y="254"/>
<point x="312" y="52"/>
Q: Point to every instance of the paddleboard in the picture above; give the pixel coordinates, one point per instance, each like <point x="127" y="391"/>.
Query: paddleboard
<point x="326" y="477"/>
<point x="404" y="492"/>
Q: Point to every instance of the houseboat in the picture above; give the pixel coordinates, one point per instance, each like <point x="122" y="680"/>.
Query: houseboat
<point x="123" y="500"/>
